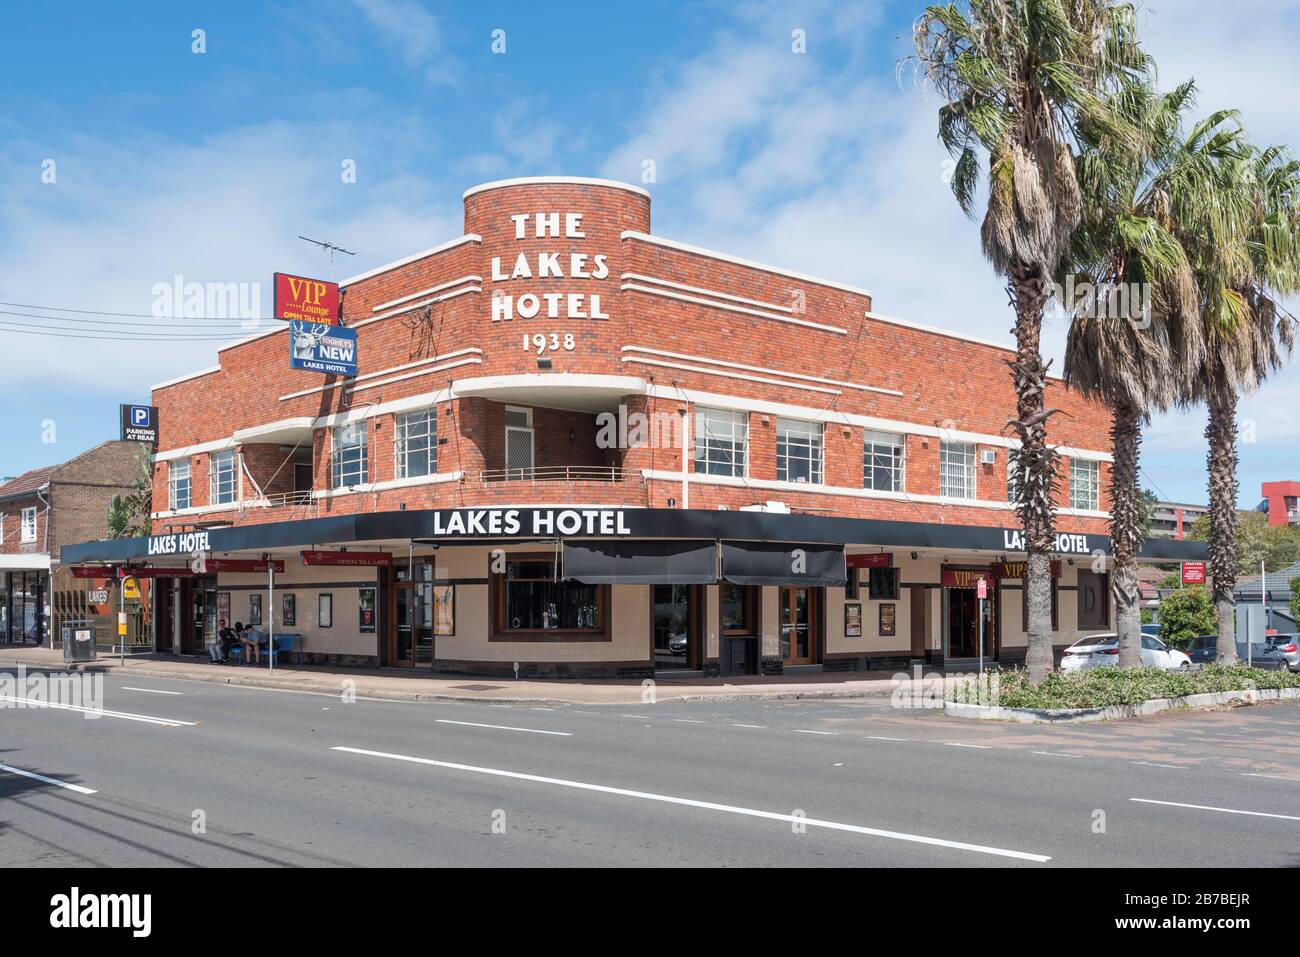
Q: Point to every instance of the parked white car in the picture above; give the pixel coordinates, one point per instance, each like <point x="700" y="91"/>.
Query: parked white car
<point x="1098" y="651"/>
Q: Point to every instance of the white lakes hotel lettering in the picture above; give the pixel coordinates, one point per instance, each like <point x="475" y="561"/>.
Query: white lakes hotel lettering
<point x="546" y="265"/>
<point x="182" y="543"/>
<point x="507" y="521"/>
<point x="1071" y="544"/>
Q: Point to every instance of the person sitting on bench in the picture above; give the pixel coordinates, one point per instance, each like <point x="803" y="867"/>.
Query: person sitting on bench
<point x="248" y="643"/>
<point x="220" y="649"/>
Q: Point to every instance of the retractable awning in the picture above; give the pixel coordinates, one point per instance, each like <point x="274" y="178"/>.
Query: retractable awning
<point x="653" y="562"/>
<point x="783" y="563"/>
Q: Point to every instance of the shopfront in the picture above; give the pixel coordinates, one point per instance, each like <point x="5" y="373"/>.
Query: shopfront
<point x="24" y="604"/>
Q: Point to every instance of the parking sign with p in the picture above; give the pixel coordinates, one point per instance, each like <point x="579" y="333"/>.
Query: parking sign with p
<point x="140" y="424"/>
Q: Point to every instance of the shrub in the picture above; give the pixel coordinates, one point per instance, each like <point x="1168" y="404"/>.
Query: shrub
<point x="1106" y="687"/>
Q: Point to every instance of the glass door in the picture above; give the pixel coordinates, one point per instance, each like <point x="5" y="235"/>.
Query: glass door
<point x="798" y="633"/>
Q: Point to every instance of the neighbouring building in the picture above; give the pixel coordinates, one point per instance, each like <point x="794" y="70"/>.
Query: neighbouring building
<point x="573" y="447"/>
<point x="1280" y="502"/>
<point x="44" y="509"/>
<point x="1175" y="519"/>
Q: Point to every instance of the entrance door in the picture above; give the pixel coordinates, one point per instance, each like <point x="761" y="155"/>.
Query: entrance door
<point x="410" y="636"/>
<point x="919" y="595"/>
<point x="519" y="443"/>
<point x="963" y="623"/>
<point x="799" y="637"/>
<point x="674" y="627"/>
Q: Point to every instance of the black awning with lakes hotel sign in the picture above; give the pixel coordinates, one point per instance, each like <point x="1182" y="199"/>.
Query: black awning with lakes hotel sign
<point x="480" y="525"/>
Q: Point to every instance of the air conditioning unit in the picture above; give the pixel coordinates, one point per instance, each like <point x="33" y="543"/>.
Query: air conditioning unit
<point x="988" y="456"/>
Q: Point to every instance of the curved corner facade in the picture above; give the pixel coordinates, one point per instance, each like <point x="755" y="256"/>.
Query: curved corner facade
<point x="573" y="447"/>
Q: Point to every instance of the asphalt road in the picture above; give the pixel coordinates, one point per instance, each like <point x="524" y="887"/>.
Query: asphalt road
<point x="301" y="779"/>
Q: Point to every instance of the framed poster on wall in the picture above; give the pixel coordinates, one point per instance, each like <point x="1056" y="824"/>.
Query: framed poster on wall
<point x="366" y="611"/>
<point x="853" y="619"/>
<point x="325" y="610"/>
<point x="288" y="609"/>
<point x="888" y="619"/>
<point x="444" y="610"/>
<point x="255" y="608"/>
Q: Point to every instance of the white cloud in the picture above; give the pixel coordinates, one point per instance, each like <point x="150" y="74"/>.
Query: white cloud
<point x="412" y="30"/>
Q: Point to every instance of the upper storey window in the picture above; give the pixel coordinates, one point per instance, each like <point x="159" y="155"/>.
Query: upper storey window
<point x="417" y="444"/>
<point x="883" y="458"/>
<point x="223" y="477"/>
<point x="178" y="485"/>
<point x="798" y="451"/>
<point x="721" y="442"/>
<point x="1085" y="484"/>
<point x="957" y="469"/>
<point x="350" y="461"/>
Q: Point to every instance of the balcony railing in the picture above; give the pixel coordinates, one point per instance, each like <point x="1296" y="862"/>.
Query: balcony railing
<point x="282" y="499"/>
<point x="561" y="473"/>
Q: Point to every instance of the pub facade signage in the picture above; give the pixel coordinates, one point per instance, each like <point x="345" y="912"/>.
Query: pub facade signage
<point x="549" y="522"/>
<point x="1067" y="543"/>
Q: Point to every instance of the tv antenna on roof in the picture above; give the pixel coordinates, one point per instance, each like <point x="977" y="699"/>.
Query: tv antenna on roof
<point x="330" y="248"/>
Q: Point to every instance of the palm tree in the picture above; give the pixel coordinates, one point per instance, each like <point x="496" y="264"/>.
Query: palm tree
<point x="1134" y="362"/>
<point x="129" y="514"/>
<point x="1244" y="266"/>
<point x="1018" y="77"/>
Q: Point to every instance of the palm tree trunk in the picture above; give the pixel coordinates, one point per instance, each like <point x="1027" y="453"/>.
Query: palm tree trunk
<point x="1126" y="532"/>
<point x="1221" y="431"/>
<point x="1034" y="466"/>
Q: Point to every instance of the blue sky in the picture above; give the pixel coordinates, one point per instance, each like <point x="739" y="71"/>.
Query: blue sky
<point x="210" y="165"/>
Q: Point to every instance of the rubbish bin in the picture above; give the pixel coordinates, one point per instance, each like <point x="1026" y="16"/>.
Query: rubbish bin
<point x="78" y="644"/>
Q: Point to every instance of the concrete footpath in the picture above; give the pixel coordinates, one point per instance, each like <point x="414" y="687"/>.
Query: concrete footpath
<point x="403" y="685"/>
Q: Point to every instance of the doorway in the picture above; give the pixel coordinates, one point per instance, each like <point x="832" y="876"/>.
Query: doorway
<point x="519" y="443"/>
<point x="963" y="623"/>
<point x="675" y="627"/>
<point x="799" y="615"/>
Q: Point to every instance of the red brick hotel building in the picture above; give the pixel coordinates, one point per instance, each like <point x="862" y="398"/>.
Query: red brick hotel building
<point x="573" y="447"/>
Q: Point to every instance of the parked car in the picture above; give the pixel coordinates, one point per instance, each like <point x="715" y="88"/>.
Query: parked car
<point x="677" y="644"/>
<point x="1203" y="649"/>
<point x="1288" y="646"/>
<point x="1098" y="651"/>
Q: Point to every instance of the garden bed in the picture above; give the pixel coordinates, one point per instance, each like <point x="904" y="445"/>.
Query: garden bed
<point x="1100" y="694"/>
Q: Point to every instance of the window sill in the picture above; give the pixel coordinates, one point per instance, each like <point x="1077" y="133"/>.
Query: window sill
<point x="549" y="636"/>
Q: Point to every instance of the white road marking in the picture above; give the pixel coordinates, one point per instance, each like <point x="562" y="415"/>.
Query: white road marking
<point x="642" y="717"/>
<point x="706" y="805"/>
<point x="40" y="777"/>
<point x="748" y="726"/>
<point x="690" y="721"/>
<point x="542" y="709"/>
<point x="146" y="718"/>
<point x="150" y="690"/>
<point x="958" y="744"/>
<point x="1274" y="777"/>
<point x="881" y="737"/>
<point x="1174" y="767"/>
<point x="586" y="712"/>
<point x="1222" y="810"/>
<point x="503" y="727"/>
<point x="1058" y="754"/>
<point x="806" y="731"/>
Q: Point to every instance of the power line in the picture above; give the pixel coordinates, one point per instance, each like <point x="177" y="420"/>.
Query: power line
<point x="125" y="337"/>
<point x="161" y="323"/>
<point x="129" y="315"/>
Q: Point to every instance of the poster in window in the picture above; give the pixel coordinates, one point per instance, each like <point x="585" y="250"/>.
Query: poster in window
<point x="223" y="606"/>
<point x="444" y="609"/>
<point x="288" y="609"/>
<point x="888" y="620"/>
<point x="255" y="608"/>
<point x="366" y="611"/>
<point x="853" y="619"/>
<point x="325" y="610"/>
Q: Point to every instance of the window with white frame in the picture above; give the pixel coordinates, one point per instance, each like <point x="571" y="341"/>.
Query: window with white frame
<point x="957" y="469"/>
<point x="417" y="443"/>
<point x="1085" y="484"/>
<point x="29" y="524"/>
<point x="350" y="461"/>
<point x="884" y="455"/>
<point x="223" y="477"/>
<point x="798" y="451"/>
<point x="178" y="485"/>
<point x="721" y="441"/>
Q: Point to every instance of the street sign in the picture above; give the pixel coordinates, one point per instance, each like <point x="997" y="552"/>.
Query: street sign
<point x="131" y="589"/>
<point x="1193" y="573"/>
<point x="139" y="424"/>
<point x="982" y="589"/>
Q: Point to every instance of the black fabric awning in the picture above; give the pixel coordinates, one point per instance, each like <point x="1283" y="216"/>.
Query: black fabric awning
<point x="783" y="563"/>
<point x="654" y="562"/>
